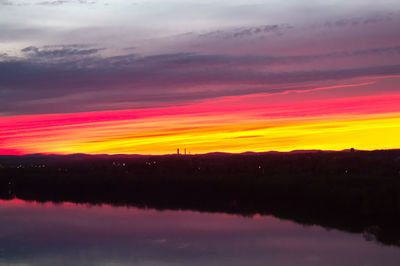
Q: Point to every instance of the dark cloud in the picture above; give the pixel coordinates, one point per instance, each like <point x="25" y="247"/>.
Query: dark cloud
<point x="50" y="52"/>
<point x="193" y="60"/>
<point x="355" y="21"/>
<point x="73" y="78"/>
<point x="245" y="32"/>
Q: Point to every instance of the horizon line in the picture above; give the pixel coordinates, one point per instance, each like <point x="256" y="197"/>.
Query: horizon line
<point x="192" y="154"/>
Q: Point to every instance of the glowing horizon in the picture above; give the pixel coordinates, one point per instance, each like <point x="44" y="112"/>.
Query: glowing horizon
<point x="230" y="124"/>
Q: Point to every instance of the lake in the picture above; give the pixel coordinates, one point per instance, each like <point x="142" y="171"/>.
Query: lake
<point x="33" y="233"/>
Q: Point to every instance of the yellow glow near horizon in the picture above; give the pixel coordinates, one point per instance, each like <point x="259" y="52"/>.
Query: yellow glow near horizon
<point x="365" y="133"/>
<point x="235" y="130"/>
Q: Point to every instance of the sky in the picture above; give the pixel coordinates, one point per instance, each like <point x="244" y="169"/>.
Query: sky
<point x="151" y="76"/>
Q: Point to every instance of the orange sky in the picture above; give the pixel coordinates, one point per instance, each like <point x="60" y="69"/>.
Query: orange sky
<point x="258" y="122"/>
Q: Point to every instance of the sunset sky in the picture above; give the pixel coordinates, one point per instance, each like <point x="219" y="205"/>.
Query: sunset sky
<point x="151" y="76"/>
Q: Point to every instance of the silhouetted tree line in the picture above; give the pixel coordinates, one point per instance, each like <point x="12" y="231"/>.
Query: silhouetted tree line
<point x="353" y="191"/>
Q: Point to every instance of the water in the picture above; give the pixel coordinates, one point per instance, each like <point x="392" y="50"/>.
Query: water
<point x="68" y="234"/>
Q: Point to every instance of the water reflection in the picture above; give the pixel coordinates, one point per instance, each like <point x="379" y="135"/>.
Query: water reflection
<point x="68" y="234"/>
